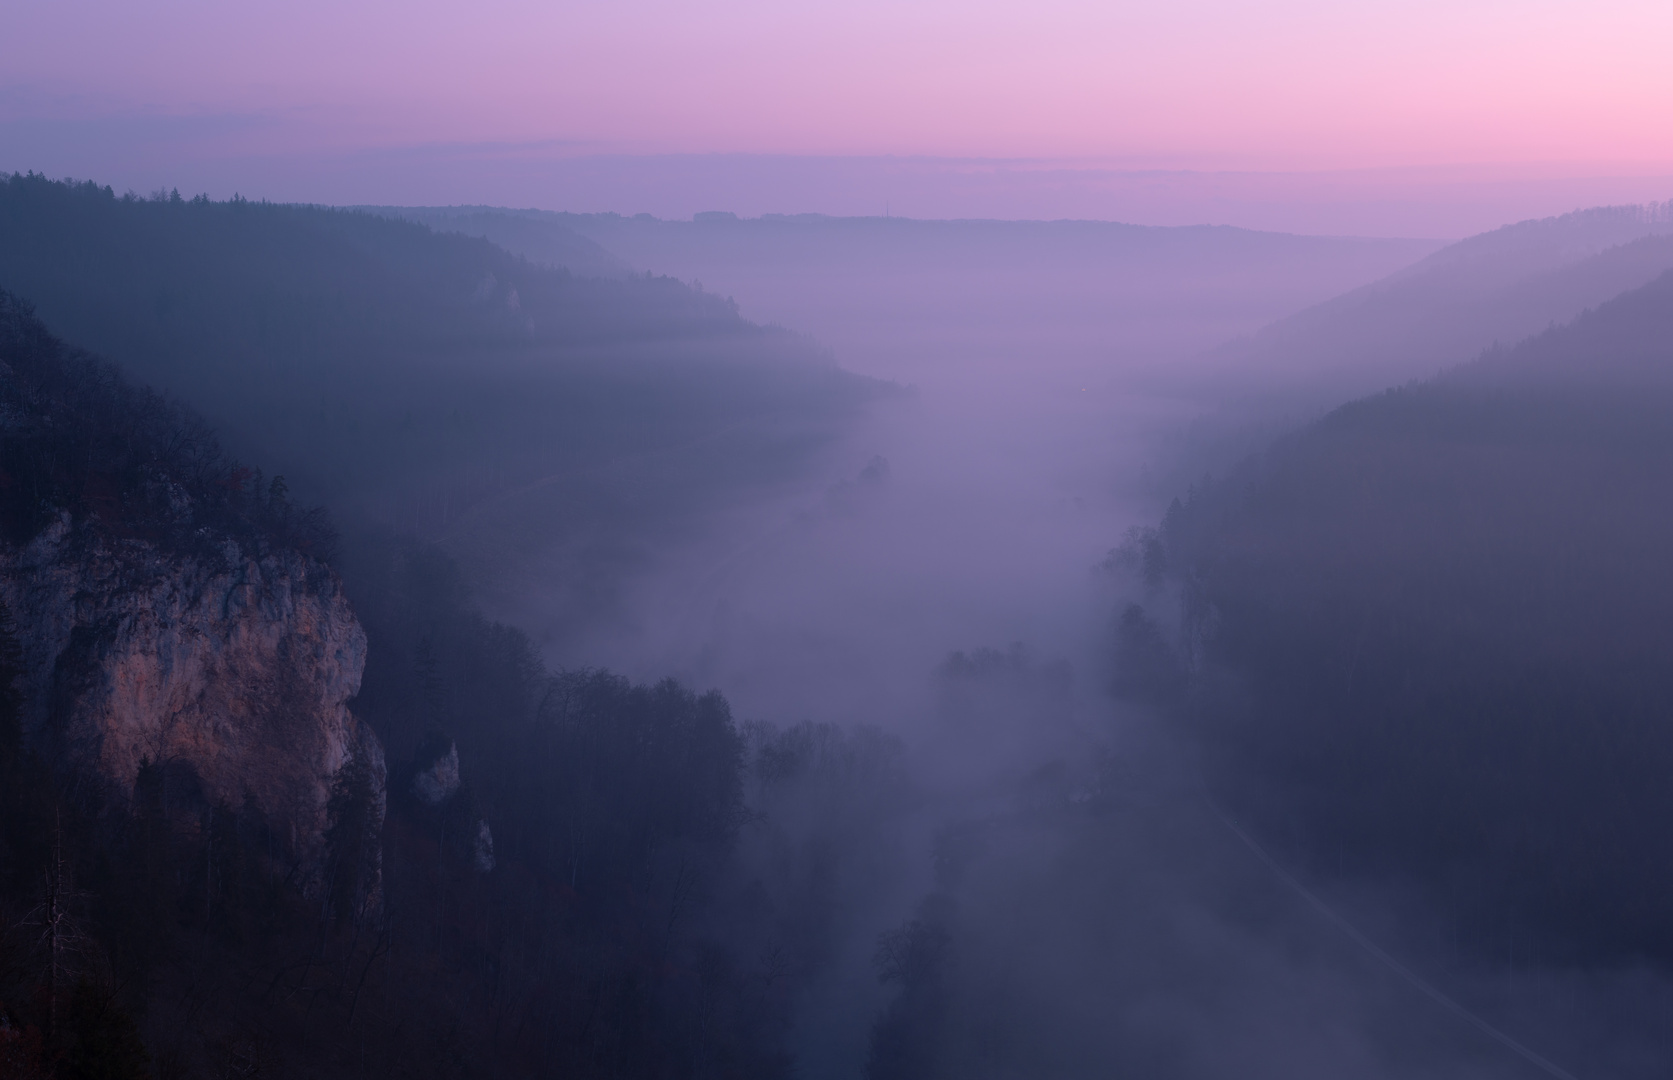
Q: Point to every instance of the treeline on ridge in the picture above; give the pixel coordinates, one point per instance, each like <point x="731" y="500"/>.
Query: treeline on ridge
<point x="408" y="375"/>
<point x="76" y="439"/>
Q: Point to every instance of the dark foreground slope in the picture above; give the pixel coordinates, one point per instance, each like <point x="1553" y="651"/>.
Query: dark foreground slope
<point x="548" y="884"/>
<point x="1426" y="638"/>
<point x="433" y="383"/>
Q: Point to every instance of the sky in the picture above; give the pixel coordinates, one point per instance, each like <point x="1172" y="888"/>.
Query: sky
<point x="1078" y="107"/>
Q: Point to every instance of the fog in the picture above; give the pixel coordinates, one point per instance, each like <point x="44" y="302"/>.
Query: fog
<point x="1175" y="652"/>
<point x="1044" y="376"/>
<point x="1050" y="372"/>
<point x="943" y="572"/>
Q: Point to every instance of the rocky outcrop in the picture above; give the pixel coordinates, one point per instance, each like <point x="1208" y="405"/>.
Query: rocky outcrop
<point x="436" y="783"/>
<point x="240" y="667"/>
<point x="482" y="851"/>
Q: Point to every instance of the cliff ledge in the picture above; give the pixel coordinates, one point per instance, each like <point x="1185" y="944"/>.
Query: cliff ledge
<point x="240" y="667"/>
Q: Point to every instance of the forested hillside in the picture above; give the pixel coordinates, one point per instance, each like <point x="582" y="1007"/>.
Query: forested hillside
<point x="1493" y="289"/>
<point x="432" y="383"/>
<point x="529" y="233"/>
<point x="557" y="887"/>
<point x="1418" y="645"/>
<point x="560" y="887"/>
<point x="926" y="300"/>
<point x="1426" y="639"/>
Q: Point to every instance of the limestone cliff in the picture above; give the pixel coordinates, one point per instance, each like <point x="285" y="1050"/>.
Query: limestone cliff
<point x="238" y="666"/>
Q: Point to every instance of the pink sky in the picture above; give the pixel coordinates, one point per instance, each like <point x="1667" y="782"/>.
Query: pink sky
<point x="1531" y="89"/>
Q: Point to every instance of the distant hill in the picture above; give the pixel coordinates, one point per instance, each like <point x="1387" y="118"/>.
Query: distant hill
<point x="1426" y="637"/>
<point x="916" y="299"/>
<point x="432" y="382"/>
<point x="1496" y="288"/>
<point x="528" y="233"/>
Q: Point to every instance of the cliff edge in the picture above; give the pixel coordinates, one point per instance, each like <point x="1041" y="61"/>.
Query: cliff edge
<point x="239" y="667"/>
<point x="172" y="609"/>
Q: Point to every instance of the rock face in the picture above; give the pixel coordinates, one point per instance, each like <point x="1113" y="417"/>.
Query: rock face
<point x="482" y="852"/>
<point x="436" y="784"/>
<point x="236" y="666"/>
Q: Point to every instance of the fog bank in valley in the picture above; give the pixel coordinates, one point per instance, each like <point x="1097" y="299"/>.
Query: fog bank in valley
<point x="832" y="648"/>
<point x="944" y="574"/>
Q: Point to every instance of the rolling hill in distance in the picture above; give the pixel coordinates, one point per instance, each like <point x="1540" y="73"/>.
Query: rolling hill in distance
<point x="886" y="292"/>
<point x="1493" y="289"/>
<point x="417" y="380"/>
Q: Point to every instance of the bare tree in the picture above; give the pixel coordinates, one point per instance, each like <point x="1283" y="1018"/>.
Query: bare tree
<point x="67" y="946"/>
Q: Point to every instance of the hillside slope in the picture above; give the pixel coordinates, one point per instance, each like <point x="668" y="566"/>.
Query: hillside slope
<point x="1426" y="637"/>
<point x="1496" y="288"/>
<point x="208" y="867"/>
<point x="923" y="300"/>
<point x="168" y="607"/>
<point x="434" y="383"/>
<point x="529" y="233"/>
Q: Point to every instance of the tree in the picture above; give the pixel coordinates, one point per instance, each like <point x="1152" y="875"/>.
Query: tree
<point x="353" y="843"/>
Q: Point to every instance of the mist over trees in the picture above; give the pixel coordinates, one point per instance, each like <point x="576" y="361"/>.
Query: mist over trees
<point x="526" y="918"/>
<point x="546" y="878"/>
<point x="528" y="233"/>
<point x="898" y="292"/>
<point x="1427" y="636"/>
<point x="1404" y="665"/>
<point x="1489" y="290"/>
<point x="432" y="383"/>
<point x="1388" y="760"/>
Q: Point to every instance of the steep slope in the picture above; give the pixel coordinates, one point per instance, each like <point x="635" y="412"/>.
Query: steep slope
<point x="1496" y="288"/>
<point x="166" y="613"/>
<point x="201" y="864"/>
<point x="1427" y="637"/>
<point x="541" y="422"/>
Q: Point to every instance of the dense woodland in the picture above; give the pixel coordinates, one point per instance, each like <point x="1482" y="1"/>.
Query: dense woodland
<point x="607" y="924"/>
<point x="630" y="908"/>
<point x="1426" y="639"/>
<point x="1417" y="642"/>
<point x="542" y="423"/>
<point x="78" y="439"/>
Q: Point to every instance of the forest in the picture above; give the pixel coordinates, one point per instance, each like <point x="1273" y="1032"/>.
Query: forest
<point x="836" y="540"/>
<point x="833" y="817"/>
<point x="592" y="948"/>
<point x="163" y="936"/>
<point x="432" y="382"/>
<point x="1424" y="638"/>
